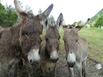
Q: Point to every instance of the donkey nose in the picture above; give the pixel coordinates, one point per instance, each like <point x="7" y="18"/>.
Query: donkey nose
<point x="71" y="59"/>
<point x="34" y="56"/>
<point x="54" y="60"/>
<point x="71" y="64"/>
<point x="54" y="55"/>
<point x="31" y="61"/>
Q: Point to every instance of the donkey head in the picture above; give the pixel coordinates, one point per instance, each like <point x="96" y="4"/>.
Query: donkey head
<point x="52" y="39"/>
<point x="30" y="31"/>
<point x="71" y="38"/>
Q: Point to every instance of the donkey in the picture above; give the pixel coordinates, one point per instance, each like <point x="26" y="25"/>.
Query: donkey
<point x="21" y="43"/>
<point x="76" y="50"/>
<point x="50" y="53"/>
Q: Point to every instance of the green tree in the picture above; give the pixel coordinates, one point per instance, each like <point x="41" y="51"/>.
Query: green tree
<point x="99" y="22"/>
<point x="7" y="16"/>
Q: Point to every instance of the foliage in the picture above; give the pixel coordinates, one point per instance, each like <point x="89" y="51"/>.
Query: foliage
<point x="7" y="16"/>
<point x="99" y="22"/>
<point x="93" y="20"/>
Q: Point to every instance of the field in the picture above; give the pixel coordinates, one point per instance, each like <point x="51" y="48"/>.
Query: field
<point x="94" y="36"/>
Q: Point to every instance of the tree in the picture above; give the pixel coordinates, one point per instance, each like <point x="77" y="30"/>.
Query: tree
<point x="99" y="22"/>
<point x="7" y="16"/>
<point x="11" y="16"/>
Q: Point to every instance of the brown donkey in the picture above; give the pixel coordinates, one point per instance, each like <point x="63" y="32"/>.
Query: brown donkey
<point x="76" y="50"/>
<point x="50" y="52"/>
<point x="52" y="39"/>
<point x="21" y="41"/>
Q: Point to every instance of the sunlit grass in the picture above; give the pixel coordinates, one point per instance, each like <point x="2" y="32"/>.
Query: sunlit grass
<point x="94" y="37"/>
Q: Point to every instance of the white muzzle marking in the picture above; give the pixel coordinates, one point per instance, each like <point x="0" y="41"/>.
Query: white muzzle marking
<point x="54" y="55"/>
<point x="98" y="66"/>
<point x="33" y="55"/>
<point x="71" y="57"/>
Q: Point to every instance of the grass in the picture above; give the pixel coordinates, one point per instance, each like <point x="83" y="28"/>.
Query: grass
<point x="94" y="37"/>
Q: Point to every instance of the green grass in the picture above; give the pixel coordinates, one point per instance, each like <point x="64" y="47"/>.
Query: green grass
<point x="94" y="37"/>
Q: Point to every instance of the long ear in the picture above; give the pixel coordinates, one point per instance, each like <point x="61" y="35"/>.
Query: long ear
<point x="59" y="20"/>
<point x="46" y="13"/>
<point x="18" y="8"/>
<point x="80" y="25"/>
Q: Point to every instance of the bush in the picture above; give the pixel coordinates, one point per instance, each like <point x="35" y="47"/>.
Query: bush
<point x="99" y="22"/>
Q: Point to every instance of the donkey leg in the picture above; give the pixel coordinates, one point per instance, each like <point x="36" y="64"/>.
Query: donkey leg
<point x="12" y="71"/>
<point x="84" y="69"/>
<point x="55" y="71"/>
<point x="79" y="68"/>
<point x="71" y="71"/>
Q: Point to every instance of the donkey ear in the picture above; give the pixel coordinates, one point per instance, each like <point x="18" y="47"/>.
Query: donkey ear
<point x="19" y="9"/>
<point x="59" y="20"/>
<point x="46" y="13"/>
<point x="79" y="27"/>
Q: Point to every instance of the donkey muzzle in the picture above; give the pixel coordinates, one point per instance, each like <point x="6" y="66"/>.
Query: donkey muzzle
<point x="71" y="59"/>
<point x="34" y="56"/>
<point x="71" y="64"/>
<point x="54" y="56"/>
<point x="54" y="60"/>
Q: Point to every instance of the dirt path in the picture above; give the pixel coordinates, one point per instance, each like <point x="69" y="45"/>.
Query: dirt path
<point x="62" y="70"/>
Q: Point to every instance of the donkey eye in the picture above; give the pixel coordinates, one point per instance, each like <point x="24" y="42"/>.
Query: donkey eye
<point x="58" y="37"/>
<point x="76" y="40"/>
<point x="40" y="40"/>
<point x="25" y="33"/>
<point x="46" y="39"/>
